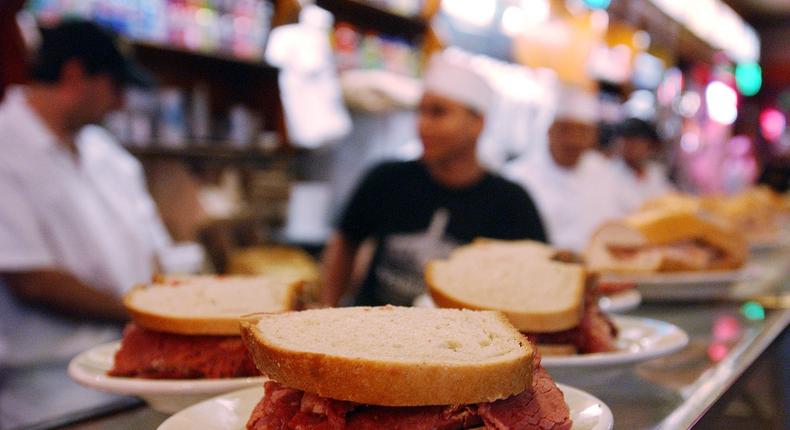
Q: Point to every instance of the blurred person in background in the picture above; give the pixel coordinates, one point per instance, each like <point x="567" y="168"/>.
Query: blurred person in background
<point x="572" y="184"/>
<point x="639" y="178"/>
<point x="75" y="232"/>
<point x="420" y="210"/>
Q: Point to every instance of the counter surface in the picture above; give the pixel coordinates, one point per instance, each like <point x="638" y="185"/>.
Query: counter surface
<point x="673" y="392"/>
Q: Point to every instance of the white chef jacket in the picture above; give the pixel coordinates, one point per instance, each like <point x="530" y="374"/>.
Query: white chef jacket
<point x="635" y="190"/>
<point x="65" y="211"/>
<point x="120" y="179"/>
<point x="572" y="202"/>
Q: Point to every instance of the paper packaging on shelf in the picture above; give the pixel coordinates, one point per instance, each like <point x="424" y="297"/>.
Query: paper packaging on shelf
<point x="200" y="113"/>
<point x="133" y="125"/>
<point x="380" y="91"/>
<point x="243" y="126"/>
<point x="308" y="212"/>
<point x="321" y="118"/>
<point x="172" y="122"/>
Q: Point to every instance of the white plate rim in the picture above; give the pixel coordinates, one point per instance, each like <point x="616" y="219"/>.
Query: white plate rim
<point x="622" y="301"/>
<point x="617" y="358"/>
<point x="780" y="240"/>
<point x="605" y="421"/>
<point x="682" y="278"/>
<point x="84" y="372"/>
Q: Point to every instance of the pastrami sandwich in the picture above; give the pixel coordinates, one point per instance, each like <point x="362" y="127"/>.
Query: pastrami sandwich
<point x="188" y="328"/>
<point x="758" y="213"/>
<point x="666" y="239"/>
<point x="399" y="368"/>
<point x="552" y="302"/>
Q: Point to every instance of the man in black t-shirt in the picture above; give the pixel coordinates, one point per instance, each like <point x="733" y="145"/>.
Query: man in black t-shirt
<point x="421" y="210"/>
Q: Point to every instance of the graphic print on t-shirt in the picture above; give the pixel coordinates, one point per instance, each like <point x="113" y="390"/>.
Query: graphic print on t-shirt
<point x="404" y="256"/>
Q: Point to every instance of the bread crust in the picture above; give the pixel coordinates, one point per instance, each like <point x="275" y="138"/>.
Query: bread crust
<point x="547" y="350"/>
<point x="390" y="383"/>
<point x="214" y="326"/>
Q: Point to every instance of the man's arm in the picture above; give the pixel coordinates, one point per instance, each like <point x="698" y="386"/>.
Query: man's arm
<point x="357" y="223"/>
<point x="338" y="266"/>
<point x="28" y="266"/>
<point x="62" y="292"/>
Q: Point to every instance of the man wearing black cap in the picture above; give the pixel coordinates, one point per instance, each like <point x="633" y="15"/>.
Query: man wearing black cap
<point x="67" y="252"/>
<point x="639" y="177"/>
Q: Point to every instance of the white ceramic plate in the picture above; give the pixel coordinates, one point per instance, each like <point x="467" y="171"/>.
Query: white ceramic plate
<point x="682" y="278"/>
<point x="231" y="411"/>
<point x="168" y="396"/>
<point x="623" y="301"/>
<point x="688" y="285"/>
<point x="619" y="302"/>
<point x="638" y="339"/>
<point x="766" y="247"/>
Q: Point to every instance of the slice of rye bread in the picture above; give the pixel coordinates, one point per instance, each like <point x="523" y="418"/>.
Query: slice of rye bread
<point x="393" y="356"/>
<point x="208" y="305"/>
<point x="537" y="293"/>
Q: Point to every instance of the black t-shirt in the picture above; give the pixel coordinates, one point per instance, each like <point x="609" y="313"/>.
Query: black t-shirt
<point x="415" y="219"/>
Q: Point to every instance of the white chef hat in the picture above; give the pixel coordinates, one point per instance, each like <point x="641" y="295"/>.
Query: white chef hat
<point x="577" y="104"/>
<point x="452" y="77"/>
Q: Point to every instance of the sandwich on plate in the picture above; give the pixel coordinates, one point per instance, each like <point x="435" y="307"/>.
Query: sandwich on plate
<point x="554" y="303"/>
<point x="758" y="213"/>
<point x="399" y="368"/>
<point x="188" y="328"/>
<point x="666" y="239"/>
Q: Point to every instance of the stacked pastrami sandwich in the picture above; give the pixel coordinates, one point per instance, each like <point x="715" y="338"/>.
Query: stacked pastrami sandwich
<point x="187" y="328"/>
<point x="399" y="368"/>
<point x="554" y="303"/>
<point x="666" y="239"/>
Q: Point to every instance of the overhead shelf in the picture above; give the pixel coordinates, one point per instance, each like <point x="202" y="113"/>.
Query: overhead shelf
<point x="373" y="18"/>
<point x="213" y="154"/>
<point x="155" y="48"/>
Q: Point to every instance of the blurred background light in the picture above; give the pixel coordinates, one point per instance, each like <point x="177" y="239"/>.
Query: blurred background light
<point x="753" y="311"/>
<point x="717" y="352"/>
<point x="726" y="328"/>
<point x="772" y="124"/>
<point x="514" y="20"/>
<point x="479" y="13"/>
<point x="721" y="102"/>
<point x="748" y="78"/>
<point x="641" y="40"/>
<point x="689" y="142"/>
<point x="689" y="104"/>
<point x="597" y="4"/>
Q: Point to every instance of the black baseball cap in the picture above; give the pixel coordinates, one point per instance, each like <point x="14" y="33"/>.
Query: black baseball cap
<point x="635" y="127"/>
<point x="95" y="47"/>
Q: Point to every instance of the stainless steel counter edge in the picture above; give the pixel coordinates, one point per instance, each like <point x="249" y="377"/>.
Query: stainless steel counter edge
<point x="711" y="387"/>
